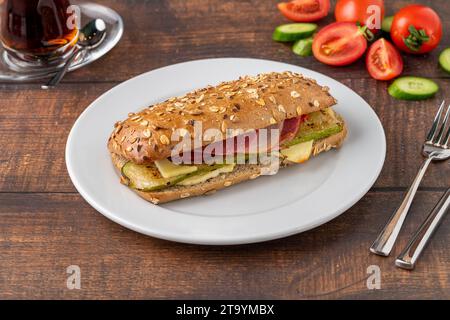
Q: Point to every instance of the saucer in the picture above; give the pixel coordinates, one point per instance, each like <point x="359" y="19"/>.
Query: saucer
<point x="89" y="11"/>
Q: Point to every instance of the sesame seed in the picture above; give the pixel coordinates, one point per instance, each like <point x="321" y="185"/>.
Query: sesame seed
<point x="164" y="140"/>
<point x="195" y="112"/>
<point x="272" y="99"/>
<point x="199" y="99"/>
<point x="281" y="108"/>
<point x="147" y="133"/>
<point x="295" y="94"/>
<point x="144" y="123"/>
<point x="299" y="110"/>
<point x="129" y="149"/>
<point x="273" y="121"/>
<point x="184" y="195"/>
<point x="228" y="183"/>
<point x="214" y="109"/>
<point x="316" y="103"/>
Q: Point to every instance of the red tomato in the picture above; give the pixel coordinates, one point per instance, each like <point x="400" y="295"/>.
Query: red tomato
<point x="416" y="29"/>
<point x="339" y="44"/>
<point x="383" y="60"/>
<point x="305" y="10"/>
<point x="361" y="11"/>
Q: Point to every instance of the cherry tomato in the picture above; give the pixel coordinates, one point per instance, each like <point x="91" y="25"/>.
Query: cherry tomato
<point x="361" y="11"/>
<point x="416" y="29"/>
<point x="383" y="60"/>
<point x="305" y="10"/>
<point x="339" y="44"/>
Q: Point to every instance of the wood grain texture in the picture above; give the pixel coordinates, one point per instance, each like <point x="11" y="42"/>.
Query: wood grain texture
<point x="46" y="226"/>
<point x="42" y="234"/>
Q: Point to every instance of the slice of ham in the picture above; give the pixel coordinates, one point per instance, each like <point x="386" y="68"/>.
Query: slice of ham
<point x="290" y="128"/>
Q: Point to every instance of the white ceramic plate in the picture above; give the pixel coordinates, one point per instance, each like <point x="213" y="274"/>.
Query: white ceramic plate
<point x="298" y="198"/>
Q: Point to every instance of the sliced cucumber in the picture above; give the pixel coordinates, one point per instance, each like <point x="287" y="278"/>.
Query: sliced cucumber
<point x="147" y="177"/>
<point x="315" y="135"/>
<point x="318" y="125"/>
<point x="387" y="24"/>
<point x="303" y="47"/>
<point x="294" y="31"/>
<point x="413" y="88"/>
<point x="444" y="60"/>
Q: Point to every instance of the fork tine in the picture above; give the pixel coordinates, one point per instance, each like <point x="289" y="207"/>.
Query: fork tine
<point x="446" y="139"/>
<point x="436" y="121"/>
<point x="439" y="137"/>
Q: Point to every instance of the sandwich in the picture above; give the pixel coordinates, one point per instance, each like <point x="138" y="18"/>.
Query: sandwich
<point x="219" y="136"/>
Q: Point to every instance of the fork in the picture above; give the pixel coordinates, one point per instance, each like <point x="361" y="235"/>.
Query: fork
<point x="435" y="148"/>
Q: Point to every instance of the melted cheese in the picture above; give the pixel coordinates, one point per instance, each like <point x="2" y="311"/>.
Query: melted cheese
<point x="170" y="170"/>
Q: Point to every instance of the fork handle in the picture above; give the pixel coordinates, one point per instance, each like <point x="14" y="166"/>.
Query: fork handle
<point x="408" y="258"/>
<point x="386" y="239"/>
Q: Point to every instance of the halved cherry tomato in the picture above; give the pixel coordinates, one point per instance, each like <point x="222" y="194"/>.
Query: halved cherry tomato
<point x="361" y="11"/>
<point x="339" y="44"/>
<point x="383" y="60"/>
<point x="305" y="10"/>
<point x="416" y="29"/>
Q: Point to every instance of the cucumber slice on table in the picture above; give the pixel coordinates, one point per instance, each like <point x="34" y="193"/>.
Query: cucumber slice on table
<point x="303" y="47"/>
<point x="413" y="88"/>
<point x="387" y="24"/>
<point x="294" y="31"/>
<point x="444" y="60"/>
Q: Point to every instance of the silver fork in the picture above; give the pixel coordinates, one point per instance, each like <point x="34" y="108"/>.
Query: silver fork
<point x="435" y="148"/>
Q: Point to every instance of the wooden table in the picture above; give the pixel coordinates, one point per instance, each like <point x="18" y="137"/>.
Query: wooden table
<point x="45" y="225"/>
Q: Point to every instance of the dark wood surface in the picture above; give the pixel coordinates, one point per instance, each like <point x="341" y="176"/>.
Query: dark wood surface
<point x="46" y="226"/>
